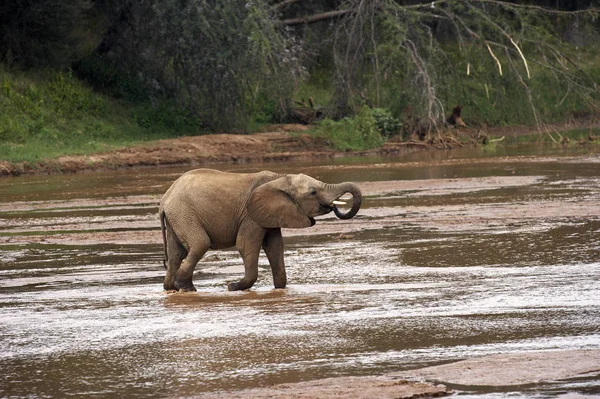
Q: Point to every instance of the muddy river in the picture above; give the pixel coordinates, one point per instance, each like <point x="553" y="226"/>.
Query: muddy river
<point x="453" y="255"/>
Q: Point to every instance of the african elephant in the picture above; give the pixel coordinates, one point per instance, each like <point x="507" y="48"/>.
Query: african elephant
<point x="208" y="209"/>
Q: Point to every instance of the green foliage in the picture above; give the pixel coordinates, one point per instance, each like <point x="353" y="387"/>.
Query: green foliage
<point x="165" y="115"/>
<point x="489" y="98"/>
<point x="217" y="59"/>
<point x="45" y="114"/>
<point x="166" y="68"/>
<point x="68" y="96"/>
<point x="504" y="63"/>
<point x="112" y="79"/>
<point x="317" y="86"/>
<point x="386" y="124"/>
<point x="356" y="133"/>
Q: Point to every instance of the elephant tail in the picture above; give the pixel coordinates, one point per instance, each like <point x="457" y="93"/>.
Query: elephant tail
<point x="163" y="229"/>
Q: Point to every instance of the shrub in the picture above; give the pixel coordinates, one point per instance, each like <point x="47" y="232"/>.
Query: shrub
<point x="387" y="125"/>
<point x="356" y="133"/>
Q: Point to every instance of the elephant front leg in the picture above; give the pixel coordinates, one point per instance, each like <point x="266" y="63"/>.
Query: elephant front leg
<point x="249" y="248"/>
<point x="273" y="247"/>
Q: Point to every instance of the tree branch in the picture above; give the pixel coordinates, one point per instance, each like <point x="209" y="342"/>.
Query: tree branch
<point x="591" y="10"/>
<point x="316" y="18"/>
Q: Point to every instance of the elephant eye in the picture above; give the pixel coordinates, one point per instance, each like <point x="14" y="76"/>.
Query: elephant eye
<point x="312" y="191"/>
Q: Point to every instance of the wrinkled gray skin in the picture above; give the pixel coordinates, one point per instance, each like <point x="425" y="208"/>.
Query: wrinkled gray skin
<point x="208" y="209"/>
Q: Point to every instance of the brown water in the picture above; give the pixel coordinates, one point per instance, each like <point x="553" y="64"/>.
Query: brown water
<point x="453" y="255"/>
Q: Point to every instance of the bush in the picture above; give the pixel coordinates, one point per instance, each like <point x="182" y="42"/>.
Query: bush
<point x="216" y="59"/>
<point x="387" y="125"/>
<point x="112" y="79"/>
<point x="166" y="115"/>
<point x="356" y="133"/>
<point x="68" y="95"/>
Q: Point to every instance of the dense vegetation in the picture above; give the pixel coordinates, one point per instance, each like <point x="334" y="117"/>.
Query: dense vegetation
<point x="83" y="75"/>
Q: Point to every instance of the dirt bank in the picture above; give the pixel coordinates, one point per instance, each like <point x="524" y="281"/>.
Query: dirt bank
<point x="279" y="143"/>
<point x="276" y="145"/>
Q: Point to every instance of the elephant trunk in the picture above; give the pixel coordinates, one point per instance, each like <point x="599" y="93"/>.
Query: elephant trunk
<point x="356" y="200"/>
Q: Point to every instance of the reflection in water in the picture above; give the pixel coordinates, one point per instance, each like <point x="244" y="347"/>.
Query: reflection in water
<point x="453" y="269"/>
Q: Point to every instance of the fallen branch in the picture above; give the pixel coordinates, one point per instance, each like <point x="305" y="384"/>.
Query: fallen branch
<point x="521" y="54"/>
<point x="408" y="143"/>
<point x="316" y="18"/>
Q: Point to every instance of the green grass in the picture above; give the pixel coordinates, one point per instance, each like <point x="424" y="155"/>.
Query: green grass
<point x="47" y="114"/>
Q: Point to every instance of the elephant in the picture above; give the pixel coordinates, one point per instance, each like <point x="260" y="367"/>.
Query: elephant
<point x="210" y="209"/>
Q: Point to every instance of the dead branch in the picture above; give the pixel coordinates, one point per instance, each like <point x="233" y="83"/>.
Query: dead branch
<point x="591" y="10"/>
<point x="509" y="37"/>
<point x="494" y="57"/>
<point x="316" y="18"/>
<point x="435" y="110"/>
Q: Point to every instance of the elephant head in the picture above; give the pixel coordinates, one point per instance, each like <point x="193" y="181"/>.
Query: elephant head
<point x="294" y="200"/>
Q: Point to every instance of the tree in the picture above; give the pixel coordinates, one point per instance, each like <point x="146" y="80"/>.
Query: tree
<point x="219" y="59"/>
<point x="44" y="32"/>
<point x="423" y="56"/>
<point x="227" y="62"/>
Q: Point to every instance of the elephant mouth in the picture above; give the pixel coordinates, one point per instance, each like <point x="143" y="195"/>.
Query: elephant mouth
<point x="356" y="202"/>
<point x="333" y="207"/>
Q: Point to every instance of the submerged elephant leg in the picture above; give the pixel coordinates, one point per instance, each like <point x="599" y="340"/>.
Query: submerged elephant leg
<point x="273" y="247"/>
<point x="250" y="270"/>
<point x="175" y="255"/>
<point x="197" y="249"/>
<point x="248" y="244"/>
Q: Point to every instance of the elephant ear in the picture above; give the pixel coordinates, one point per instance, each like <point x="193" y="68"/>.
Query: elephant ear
<point x="271" y="206"/>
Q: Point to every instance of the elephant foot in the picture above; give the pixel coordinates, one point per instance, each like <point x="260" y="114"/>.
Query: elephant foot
<point x="184" y="286"/>
<point x="236" y="287"/>
<point x="280" y="284"/>
<point x="233" y="287"/>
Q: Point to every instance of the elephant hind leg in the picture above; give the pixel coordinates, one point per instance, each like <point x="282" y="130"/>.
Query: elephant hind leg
<point x="175" y="254"/>
<point x="197" y="249"/>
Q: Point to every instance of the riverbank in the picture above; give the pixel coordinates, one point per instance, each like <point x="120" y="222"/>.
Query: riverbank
<point x="276" y="143"/>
